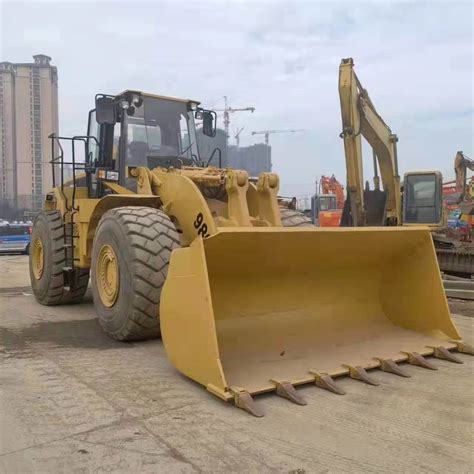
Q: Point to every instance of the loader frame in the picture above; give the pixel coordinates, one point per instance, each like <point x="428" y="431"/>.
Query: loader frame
<point x="179" y="192"/>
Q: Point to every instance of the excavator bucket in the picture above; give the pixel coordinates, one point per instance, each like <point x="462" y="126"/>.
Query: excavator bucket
<point x="247" y="311"/>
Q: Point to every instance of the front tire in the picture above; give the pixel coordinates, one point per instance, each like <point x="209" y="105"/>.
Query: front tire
<point x="47" y="260"/>
<point x="130" y="259"/>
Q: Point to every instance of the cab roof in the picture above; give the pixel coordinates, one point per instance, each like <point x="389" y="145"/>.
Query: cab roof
<point x="156" y="96"/>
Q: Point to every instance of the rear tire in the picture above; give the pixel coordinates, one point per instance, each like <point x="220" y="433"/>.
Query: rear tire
<point x="130" y="258"/>
<point x="291" y="218"/>
<point x="47" y="260"/>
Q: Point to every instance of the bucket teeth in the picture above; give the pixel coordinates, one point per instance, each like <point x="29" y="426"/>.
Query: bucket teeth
<point x="388" y="365"/>
<point x="464" y="347"/>
<point x="286" y="390"/>
<point x="244" y="400"/>
<point x="359" y="373"/>
<point x="325" y="381"/>
<point x="443" y="353"/>
<point x="415" y="358"/>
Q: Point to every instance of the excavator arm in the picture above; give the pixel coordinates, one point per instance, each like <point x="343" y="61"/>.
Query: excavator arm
<point x="359" y="118"/>
<point x="461" y="164"/>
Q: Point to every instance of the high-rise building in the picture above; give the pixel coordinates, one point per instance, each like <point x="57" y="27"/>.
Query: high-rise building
<point x="28" y="115"/>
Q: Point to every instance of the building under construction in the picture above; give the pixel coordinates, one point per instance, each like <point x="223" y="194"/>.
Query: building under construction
<point x="255" y="159"/>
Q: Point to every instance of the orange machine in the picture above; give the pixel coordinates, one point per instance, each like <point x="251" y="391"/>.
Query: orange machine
<point x="330" y="185"/>
<point x="329" y="202"/>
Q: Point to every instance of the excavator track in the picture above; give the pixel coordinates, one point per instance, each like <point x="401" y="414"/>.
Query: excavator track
<point x="457" y="261"/>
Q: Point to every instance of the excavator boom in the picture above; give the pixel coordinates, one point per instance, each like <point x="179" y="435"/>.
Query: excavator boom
<point x="461" y="164"/>
<point x="360" y="119"/>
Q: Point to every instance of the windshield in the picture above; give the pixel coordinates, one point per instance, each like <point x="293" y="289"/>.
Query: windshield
<point x="160" y="129"/>
<point x="327" y="203"/>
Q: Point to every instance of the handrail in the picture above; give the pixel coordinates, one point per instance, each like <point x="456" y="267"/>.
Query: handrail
<point x="212" y="156"/>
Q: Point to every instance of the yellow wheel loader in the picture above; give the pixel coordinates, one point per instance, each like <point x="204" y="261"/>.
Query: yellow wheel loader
<point x="197" y="254"/>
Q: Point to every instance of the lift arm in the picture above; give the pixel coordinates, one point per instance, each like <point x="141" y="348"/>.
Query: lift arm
<point x="359" y="118"/>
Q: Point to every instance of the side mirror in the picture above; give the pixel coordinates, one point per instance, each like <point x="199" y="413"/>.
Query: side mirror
<point x="105" y="109"/>
<point x="209" y="121"/>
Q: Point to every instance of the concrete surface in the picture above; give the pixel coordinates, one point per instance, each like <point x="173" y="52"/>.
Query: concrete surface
<point x="14" y="271"/>
<point x="72" y="400"/>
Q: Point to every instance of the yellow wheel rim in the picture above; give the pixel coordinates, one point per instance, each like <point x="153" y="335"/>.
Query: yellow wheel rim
<point x="37" y="258"/>
<point x="107" y="275"/>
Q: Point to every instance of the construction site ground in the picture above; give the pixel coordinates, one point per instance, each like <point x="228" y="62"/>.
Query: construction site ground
<point x="73" y="400"/>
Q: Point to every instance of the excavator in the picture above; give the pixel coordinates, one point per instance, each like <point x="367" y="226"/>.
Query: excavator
<point x="327" y="204"/>
<point x="422" y="203"/>
<point x="461" y="164"/>
<point x="455" y="248"/>
<point x="330" y="185"/>
<point x="176" y="247"/>
<point x="418" y="202"/>
<point x="457" y="195"/>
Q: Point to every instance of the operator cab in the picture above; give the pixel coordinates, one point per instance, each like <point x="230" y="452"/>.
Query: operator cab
<point x="423" y="198"/>
<point x="135" y="129"/>
<point x="322" y="203"/>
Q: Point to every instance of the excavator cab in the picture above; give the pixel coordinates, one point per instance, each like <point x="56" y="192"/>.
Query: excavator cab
<point x="423" y="198"/>
<point x="324" y="211"/>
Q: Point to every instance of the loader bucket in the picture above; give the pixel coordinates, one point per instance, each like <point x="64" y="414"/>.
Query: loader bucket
<point x="247" y="308"/>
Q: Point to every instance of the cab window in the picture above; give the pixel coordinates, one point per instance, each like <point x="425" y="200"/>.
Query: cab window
<point x="327" y="203"/>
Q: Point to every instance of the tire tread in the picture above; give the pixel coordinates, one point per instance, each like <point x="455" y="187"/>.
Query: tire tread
<point x="144" y="228"/>
<point x="57" y="293"/>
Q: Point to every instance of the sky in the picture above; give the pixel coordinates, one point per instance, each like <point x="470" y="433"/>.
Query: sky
<point x="414" y="58"/>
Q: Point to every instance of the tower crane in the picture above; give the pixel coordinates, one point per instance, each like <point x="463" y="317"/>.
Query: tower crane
<point x="230" y="110"/>
<point x="237" y="136"/>
<point x="268" y="132"/>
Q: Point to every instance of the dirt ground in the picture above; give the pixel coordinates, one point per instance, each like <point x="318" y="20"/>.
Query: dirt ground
<point x="72" y="400"/>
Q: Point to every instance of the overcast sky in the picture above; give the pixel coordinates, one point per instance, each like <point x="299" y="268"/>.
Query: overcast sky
<point x="415" y="59"/>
